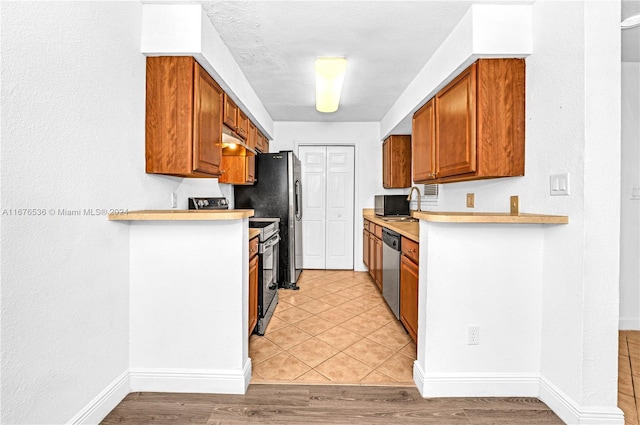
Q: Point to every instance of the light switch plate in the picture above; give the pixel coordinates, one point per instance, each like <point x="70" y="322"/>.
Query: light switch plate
<point x="559" y="184"/>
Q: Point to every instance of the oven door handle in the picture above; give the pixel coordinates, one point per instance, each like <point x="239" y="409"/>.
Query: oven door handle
<point x="270" y="242"/>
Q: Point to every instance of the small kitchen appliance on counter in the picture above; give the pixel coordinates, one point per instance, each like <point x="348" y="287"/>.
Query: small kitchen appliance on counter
<point x="390" y="205"/>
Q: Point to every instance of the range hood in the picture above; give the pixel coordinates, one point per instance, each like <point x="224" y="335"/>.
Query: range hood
<point x="231" y="142"/>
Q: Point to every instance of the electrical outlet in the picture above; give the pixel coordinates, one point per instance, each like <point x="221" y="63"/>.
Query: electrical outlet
<point x="470" y="200"/>
<point x="514" y="205"/>
<point x="473" y="335"/>
<point x="174" y="200"/>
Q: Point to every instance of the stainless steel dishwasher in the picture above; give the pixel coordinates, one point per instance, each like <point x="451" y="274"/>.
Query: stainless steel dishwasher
<point x="391" y="269"/>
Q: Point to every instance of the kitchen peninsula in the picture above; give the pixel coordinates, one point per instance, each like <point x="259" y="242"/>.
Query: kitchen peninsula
<point x="189" y="300"/>
<point x="469" y="263"/>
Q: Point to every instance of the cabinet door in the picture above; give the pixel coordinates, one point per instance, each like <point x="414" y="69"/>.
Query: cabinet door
<point x="207" y="123"/>
<point x="262" y="144"/>
<point x="253" y="293"/>
<point x="386" y="164"/>
<point x="378" y="278"/>
<point x="230" y="113"/>
<point x="243" y="125"/>
<point x="423" y="149"/>
<point x="365" y="248"/>
<point x="409" y="296"/>
<point x="456" y="125"/>
<point x="251" y="137"/>
<point x="396" y="162"/>
<point x="251" y="168"/>
<point x="372" y="256"/>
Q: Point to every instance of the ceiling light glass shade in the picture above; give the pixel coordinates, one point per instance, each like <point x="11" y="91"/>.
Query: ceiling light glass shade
<point x="329" y="78"/>
<point x="631" y="22"/>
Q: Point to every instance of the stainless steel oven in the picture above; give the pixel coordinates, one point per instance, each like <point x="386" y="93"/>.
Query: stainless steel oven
<point x="268" y="254"/>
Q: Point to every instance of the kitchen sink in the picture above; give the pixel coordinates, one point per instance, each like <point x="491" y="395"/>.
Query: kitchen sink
<point x="398" y="219"/>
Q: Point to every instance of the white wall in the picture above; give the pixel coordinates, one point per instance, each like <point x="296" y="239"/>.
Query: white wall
<point x="573" y="125"/>
<point x="630" y="209"/>
<point x="486" y="275"/>
<point x="73" y="93"/>
<point x="175" y="269"/>
<point x="368" y="158"/>
<point x="185" y="29"/>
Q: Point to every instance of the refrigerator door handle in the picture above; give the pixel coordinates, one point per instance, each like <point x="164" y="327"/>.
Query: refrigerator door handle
<point x="298" y="201"/>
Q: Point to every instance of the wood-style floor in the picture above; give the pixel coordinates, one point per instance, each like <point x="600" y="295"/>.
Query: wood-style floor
<point x="326" y="404"/>
<point x="629" y="376"/>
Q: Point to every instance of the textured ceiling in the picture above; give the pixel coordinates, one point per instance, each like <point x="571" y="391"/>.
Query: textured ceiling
<point x="386" y="43"/>
<point x="275" y="43"/>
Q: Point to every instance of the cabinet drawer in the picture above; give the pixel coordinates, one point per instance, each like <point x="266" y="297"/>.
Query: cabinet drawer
<point x="410" y="249"/>
<point x="253" y="247"/>
<point x="366" y="225"/>
<point x="378" y="231"/>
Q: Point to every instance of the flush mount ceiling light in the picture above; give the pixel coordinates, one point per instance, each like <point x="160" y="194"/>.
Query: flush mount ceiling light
<point x="631" y="22"/>
<point x="329" y="77"/>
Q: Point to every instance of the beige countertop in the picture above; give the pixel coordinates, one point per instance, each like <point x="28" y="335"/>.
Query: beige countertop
<point x="410" y="229"/>
<point x="507" y="218"/>
<point x="186" y="215"/>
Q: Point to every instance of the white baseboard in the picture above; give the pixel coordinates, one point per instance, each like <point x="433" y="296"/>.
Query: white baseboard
<point x="572" y="413"/>
<point x="629" y="324"/>
<point x="98" y="408"/>
<point x="475" y="384"/>
<point x="192" y="380"/>
<point x="514" y="385"/>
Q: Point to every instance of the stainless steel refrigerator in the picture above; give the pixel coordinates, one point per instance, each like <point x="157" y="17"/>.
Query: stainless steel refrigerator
<point x="277" y="193"/>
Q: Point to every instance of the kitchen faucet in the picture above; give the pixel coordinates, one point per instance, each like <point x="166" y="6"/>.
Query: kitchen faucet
<point x="411" y="193"/>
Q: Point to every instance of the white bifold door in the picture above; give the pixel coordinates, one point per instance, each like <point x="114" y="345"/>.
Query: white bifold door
<point x="327" y="206"/>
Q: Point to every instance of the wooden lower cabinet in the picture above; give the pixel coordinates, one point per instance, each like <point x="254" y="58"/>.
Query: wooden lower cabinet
<point x="372" y="251"/>
<point x="365" y="247"/>
<point x="409" y="296"/>
<point x="253" y="284"/>
<point x="378" y="267"/>
<point x="372" y="256"/>
<point x="409" y="286"/>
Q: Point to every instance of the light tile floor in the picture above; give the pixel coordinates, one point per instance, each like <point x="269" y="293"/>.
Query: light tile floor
<point x="336" y="328"/>
<point x="629" y="376"/>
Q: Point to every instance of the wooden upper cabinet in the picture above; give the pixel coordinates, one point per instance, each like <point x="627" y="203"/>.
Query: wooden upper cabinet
<point x="235" y="119"/>
<point x="262" y="144"/>
<point x="423" y="143"/>
<point x="183" y="133"/>
<point x="474" y="127"/>
<point x="207" y="126"/>
<point x="242" y="129"/>
<point x="230" y="113"/>
<point x="252" y="136"/>
<point x="456" y="125"/>
<point x="396" y="162"/>
<point x="238" y="169"/>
